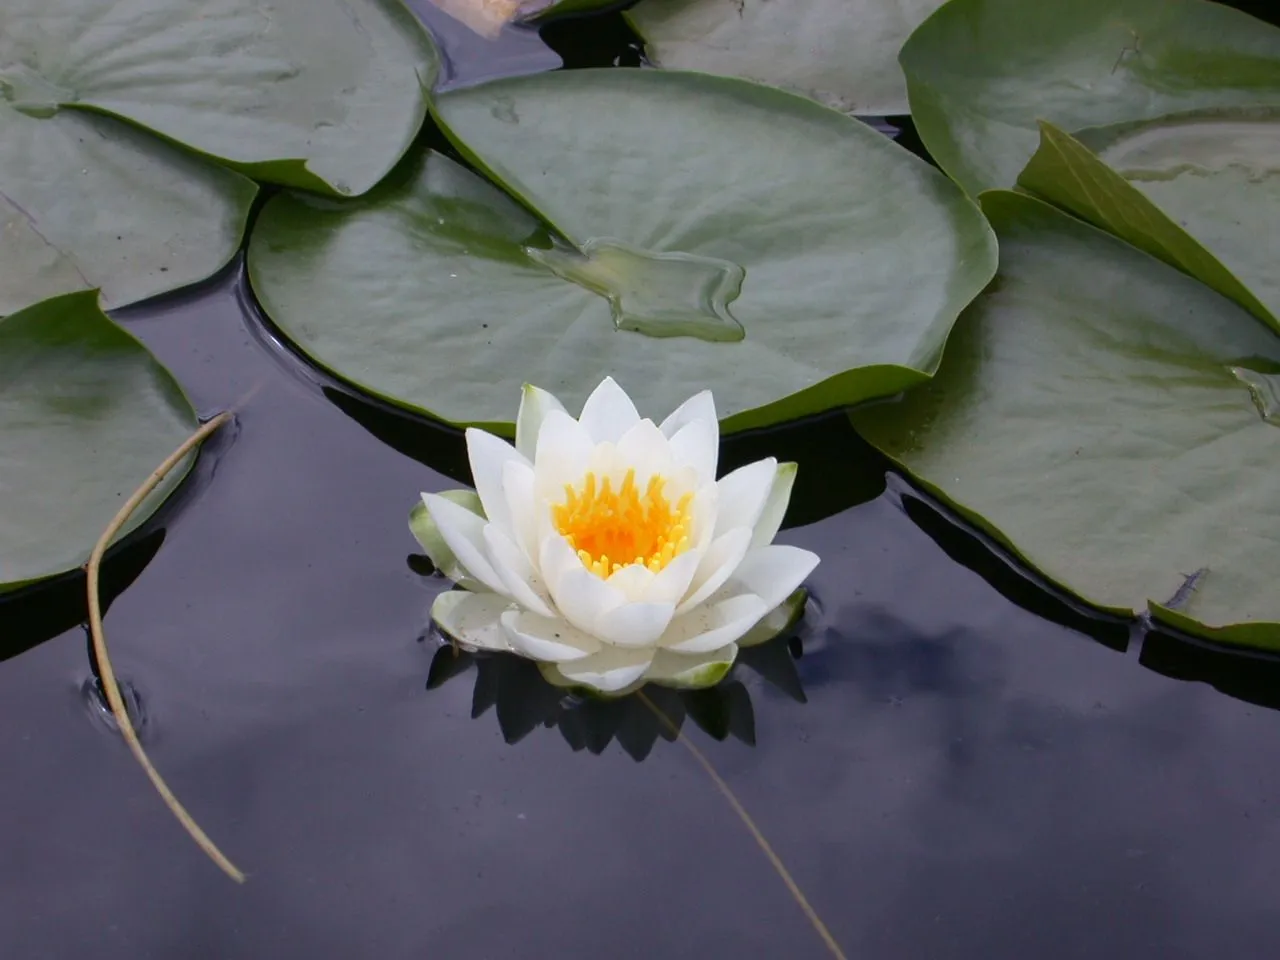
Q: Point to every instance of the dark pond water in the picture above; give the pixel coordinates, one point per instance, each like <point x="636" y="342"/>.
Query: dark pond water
<point x="979" y="771"/>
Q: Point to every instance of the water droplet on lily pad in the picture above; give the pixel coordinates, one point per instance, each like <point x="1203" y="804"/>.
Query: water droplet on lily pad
<point x="1265" y="390"/>
<point x="657" y="294"/>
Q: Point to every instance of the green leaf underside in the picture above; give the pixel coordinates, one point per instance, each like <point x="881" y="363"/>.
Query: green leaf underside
<point x="1233" y="198"/>
<point x="436" y="291"/>
<point x="326" y="94"/>
<point x="87" y="201"/>
<point x="980" y="73"/>
<point x="86" y="413"/>
<point x="843" y="53"/>
<point x="1105" y="416"/>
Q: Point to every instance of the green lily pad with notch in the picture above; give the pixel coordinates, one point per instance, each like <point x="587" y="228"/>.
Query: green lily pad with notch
<point x="86" y="202"/>
<point x="1199" y="190"/>
<point x="86" y="413"/>
<point x="691" y="232"/>
<point x="1112" y="421"/>
<point x="980" y="73"/>
<point x="322" y="94"/>
<point x="843" y="53"/>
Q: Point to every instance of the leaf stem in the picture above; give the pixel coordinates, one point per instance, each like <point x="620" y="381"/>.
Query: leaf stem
<point x="107" y="674"/>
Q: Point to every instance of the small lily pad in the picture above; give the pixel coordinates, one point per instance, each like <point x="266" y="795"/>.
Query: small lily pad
<point x="323" y="94"/>
<point x="86" y="413"/>
<point x="674" y="243"/>
<point x="1112" y="421"/>
<point x="843" y="53"/>
<point x="1199" y="190"/>
<point x="980" y="73"/>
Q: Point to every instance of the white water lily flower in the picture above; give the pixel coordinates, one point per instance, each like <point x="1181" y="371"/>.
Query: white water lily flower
<point x="605" y="549"/>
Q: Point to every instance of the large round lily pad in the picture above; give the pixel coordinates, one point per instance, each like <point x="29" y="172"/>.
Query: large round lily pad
<point x="1113" y="421"/>
<point x="841" y="52"/>
<point x="86" y="413"/>
<point x="87" y="201"/>
<point x="1200" y="190"/>
<point x="711" y="233"/>
<point x="980" y="73"/>
<point x="324" y="94"/>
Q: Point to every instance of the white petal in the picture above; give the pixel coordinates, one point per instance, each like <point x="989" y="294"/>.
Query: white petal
<point x="472" y="619"/>
<point x="634" y="580"/>
<point x="535" y="404"/>
<point x="671" y="582"/>
<point x="644" y="448"/>
<point x="697" y="445"/>
<point x="545" y="638"/>
<point x="523" y="584"/>
<point x="489" y="455"/>
<point x="608" y="412"/>
<point x="718" y="564"/>
<point x="555" y="559"/>
<point x="463" y="532"/>
<point x="706" y="506"/>
<point x="428" y="535"/>
<point x="580" y="595"/>
<point x="701" y="406"/>
<point x="610" y="670"/>
<point x="714" y="625"/>
<point x="743" y="493"/>
<point x="635" y="624"/>
<point x="778" y="620"/>
<point x="551" y="673"/>
<point x="775" y="507"/>
<point x="685" y="671"/>
<point x="774" y="571"/>
<point x="517" y="485"/>
<point x="564" y="450"/>
<point x="583" y="598"/>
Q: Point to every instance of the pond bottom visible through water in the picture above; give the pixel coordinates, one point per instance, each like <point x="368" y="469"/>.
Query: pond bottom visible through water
<point x="979" y="770"/>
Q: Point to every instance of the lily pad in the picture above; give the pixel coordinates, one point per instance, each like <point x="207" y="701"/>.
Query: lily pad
<point x="1113" y="422"/>
<point x="980" y="73"/>
<point x="1198" y="190"/>
<point x="843" y="53"/>
<point x="86" y="202"/>
<point x="86" y="413"/>
<point x="325" y="94"/>
<point x="680" y="244"/>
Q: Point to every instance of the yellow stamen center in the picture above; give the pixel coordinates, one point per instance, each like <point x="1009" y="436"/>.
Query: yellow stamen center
<point x="612" y="529"/>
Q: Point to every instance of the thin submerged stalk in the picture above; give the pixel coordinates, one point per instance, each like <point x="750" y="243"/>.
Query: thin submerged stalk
<point x="774" y="860"/>
<point x="106" y="674"/>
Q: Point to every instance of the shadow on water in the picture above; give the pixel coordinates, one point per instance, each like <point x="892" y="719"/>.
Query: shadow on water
<point x="1013" y="581"/>
<point x="1244" y="675"/>
<point x="600" y="40"/>
<point x="524" y="701"/>
<point x="1247" y="675"/>
<point x="40" y="612"/>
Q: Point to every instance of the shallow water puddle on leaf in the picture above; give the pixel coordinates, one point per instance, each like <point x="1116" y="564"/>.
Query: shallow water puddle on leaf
<point x="657" y="294"/>
<point x="1197" y="144"/>
<point x="30" y="93"/>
